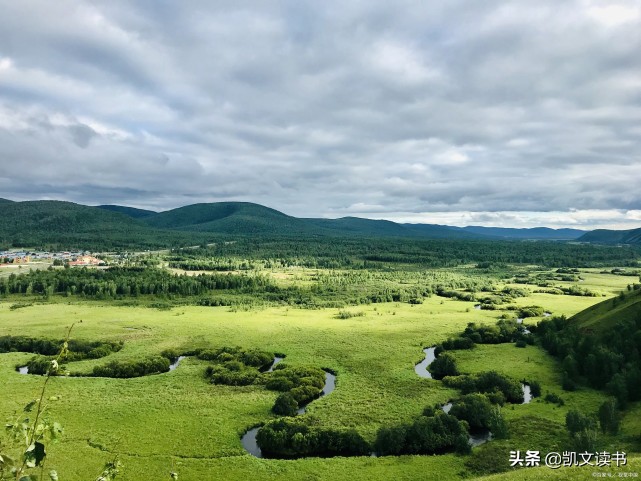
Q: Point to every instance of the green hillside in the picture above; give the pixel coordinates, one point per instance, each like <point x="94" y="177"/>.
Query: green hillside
<point x="68" y="225"/>
<point x="540" y="233"/>
<point x="4" y="201"/>
<point x="230" y="218"/>
<point x="605" y="236"/>
<point x="602" y="316"/>
<point x="130" y="211"/>
<point x="364" y="227"/>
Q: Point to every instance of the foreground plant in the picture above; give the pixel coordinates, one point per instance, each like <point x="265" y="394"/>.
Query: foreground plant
<point x="32" y="431"/>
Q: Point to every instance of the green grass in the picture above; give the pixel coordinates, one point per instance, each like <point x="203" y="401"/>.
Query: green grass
<point x="177" y="417"/>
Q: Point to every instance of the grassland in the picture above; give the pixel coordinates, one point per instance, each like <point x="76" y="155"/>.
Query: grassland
<point x="178" y="420"/>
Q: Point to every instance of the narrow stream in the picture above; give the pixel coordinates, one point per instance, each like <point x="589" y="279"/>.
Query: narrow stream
<point x="421" y="367"/>
<point x="276" y="361"/>
<point x="527" y="393"/>
<point x="249" y="438"/>
<point x="174" y="365"/>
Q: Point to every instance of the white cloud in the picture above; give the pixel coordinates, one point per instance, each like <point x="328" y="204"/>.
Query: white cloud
<point x="614" y="15"/>
<point x="463" y="111"/>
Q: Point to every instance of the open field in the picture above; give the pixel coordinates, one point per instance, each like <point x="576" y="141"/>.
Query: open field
<point x="179" y="419"/>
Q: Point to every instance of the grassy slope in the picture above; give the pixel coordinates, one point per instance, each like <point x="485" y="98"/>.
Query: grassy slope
<point x="177" y="414"/>
<point x="603" y="315"/>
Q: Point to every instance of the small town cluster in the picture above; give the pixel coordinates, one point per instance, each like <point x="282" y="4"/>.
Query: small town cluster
<point x="61" y="258"/>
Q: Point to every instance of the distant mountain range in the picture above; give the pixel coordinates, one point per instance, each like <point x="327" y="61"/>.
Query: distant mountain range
<point x="33" y="222"/>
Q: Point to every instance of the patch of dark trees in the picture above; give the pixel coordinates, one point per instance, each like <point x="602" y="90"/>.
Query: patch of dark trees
<point x="125" y="282"/>
<point x="609" y="360"/>
<point x="47" y="349"/>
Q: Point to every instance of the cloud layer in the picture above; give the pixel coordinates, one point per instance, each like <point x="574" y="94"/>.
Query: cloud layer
<point x="503" y="113"/>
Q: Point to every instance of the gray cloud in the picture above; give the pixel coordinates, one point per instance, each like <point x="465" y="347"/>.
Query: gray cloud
<point x="385" y="110"/>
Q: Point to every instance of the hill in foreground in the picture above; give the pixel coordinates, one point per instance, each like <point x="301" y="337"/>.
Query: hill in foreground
<point x="600" y="317"/>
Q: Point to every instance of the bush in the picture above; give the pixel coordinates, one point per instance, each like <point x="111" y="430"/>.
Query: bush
<point x="285" y="405"/>
<point x="444" y="365"/>
<point x="488" y="382"/>
<point x="609" y="418"/>
<point x="535" y="388"/>
<point x="576" y="421"/>
<point x="39" y="364"/>
<point x="554" y="399"/>
<point x="531" y="311"/>
<point x="391" y="440"/>
<point x="233" y="374"/>
<point x="475" y="409"/>
<point x="288" y="437"/>
<point x="304" y="394"/>
<point x="129" y="369"/>
<point x="458" y="343"/>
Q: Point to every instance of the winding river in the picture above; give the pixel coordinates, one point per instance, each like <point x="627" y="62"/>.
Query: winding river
<point x="478" y="438"/>
<point x="421" y="367"/>
<point x="249" y="438"/>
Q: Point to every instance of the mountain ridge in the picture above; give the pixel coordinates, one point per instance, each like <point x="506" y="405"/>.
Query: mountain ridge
<point x="41" y="220"/>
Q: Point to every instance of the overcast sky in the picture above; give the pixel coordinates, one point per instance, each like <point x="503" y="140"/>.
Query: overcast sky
<point x="458" y="112"/>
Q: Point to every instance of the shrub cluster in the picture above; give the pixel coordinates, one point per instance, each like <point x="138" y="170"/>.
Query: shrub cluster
<point x="132" y="368"/>
<point x="298" y="386"/>
<point x="233" y="366"/>
<point x="487" y="382"/>
<point x="253" y="357"/>
<point x="78" y="349"/>
<point x="287" y="437"/>
<point x="436" y="433"/>
<point x="443" y="365"/>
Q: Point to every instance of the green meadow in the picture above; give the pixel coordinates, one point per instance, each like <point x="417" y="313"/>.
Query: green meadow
<point x="177" y="421"/>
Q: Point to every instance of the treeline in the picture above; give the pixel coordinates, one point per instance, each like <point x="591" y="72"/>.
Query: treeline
<point x="365" y="253"/>
<point x="608" y="360"/>
<point x="195" y="264"/>
<point x="122" y="282"/>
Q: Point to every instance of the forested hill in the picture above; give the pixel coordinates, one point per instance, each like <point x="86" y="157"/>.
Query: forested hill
<point x="606" y="236"/>
<point x="230" y="218"/>
<point x="4" y="201"/>
<point x="69" y="225"/>
<point x="536" y="233"/>
<point x="56" y="224"/>
<point x="130" y="211"/>
<point x="600" y="346"/>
